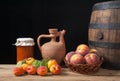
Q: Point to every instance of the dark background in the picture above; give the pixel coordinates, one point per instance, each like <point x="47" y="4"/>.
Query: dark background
<point x="30" y="18"/>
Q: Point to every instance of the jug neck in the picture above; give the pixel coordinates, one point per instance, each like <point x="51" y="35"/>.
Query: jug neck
<point x="53" y="39"/>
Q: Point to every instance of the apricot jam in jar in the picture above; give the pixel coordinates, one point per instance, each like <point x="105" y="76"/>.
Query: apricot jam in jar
<point x="25" y="48"/>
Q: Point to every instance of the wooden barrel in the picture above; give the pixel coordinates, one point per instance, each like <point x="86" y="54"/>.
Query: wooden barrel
<point x="104" y="32"/>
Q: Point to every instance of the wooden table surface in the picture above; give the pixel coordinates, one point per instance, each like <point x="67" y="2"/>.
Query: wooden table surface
<point x="6" y="74"/>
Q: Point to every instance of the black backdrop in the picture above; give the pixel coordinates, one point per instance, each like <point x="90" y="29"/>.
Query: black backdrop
<point x="30" y="18"/>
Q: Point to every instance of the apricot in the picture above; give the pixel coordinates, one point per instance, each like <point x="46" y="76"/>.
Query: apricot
<point x="68" y="55"/>
<point x="30" y="60"/>
<point x="42" y="70"/>
<point x="18" y="71"/>
<point x="77" y="59"/>
<point x="24" y="66"/>
<point x="31" y="70"/>
<point x="92" y="58"/>
<point x="51" y="62"/>
<point x="82" y="49"/>
<point x="55" y="69"/>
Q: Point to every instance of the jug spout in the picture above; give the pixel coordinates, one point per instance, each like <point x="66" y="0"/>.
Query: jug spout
<point x="61" y="38"/>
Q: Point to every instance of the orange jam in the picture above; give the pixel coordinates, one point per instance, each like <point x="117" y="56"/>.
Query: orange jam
<point x="25" y="48"/>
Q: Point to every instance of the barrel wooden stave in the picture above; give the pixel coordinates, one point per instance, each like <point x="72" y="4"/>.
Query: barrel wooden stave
<point x="108" y="35"/>
<point x="106" y="16"/>
<point x="104" y="32"/>
<point x="111" y="57"/>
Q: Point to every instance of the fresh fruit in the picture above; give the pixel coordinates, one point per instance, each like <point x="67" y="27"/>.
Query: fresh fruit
<point x="92" y="58"/>
<point x="77" y="59"/>
<point x="42" y="70"/>
<point x="24" y="66"/>
<point x="33" y="66"/>
<point x="55" y="69"/>
<point x="44" y="62"/>
<point x="93" y="51"/>
<point x="36" y="63"/>
<point x="82" y="49"/>
<point x="18" y="71"/>
<point x="68" y="55"/>
<point x="31" y="69"/>
<point x="51" y="62"/>
<point x="30" y="60"/>
<point x="19" y="63"/>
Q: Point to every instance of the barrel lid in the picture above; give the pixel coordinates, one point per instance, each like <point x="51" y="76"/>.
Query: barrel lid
<point x="25" y="42"/>
<point x="107" y="5"/>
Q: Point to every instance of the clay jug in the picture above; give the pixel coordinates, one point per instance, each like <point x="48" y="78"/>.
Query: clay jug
<point x="53" y="49"/>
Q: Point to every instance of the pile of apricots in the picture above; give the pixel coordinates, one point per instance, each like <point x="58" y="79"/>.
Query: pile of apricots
<point x="83" y="55"/>
<point x="33" y="66"/>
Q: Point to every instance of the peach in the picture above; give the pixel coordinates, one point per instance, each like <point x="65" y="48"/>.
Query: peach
<point x="18" y="71"/>
<point x="42" y="70"/>
<point x="77" y="59"/>
<point x="92" y="58"/>
<point x="93" y="51"/>
<point x="82" y="49"/>
<point x="55" y="69"/>
<point x="31" y="70"/>
<point x="68" y="55"/>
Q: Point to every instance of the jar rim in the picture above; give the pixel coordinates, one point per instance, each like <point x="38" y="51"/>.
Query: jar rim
<point x="26" y="41"/>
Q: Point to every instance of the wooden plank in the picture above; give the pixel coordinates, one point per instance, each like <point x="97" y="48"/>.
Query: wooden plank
<point x="6" y="74"/>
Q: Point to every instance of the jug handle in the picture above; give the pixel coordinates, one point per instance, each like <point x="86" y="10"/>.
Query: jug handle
<point x="43" y="36"/>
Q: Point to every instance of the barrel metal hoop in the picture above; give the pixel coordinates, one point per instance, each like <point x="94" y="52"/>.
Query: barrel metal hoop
<point x="107" y="5"/>
<point x="104" y="44"/>
<point x="104" y="26"/>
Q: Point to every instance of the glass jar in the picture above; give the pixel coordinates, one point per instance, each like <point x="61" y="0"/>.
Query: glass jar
<point x="25" y="48"/>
